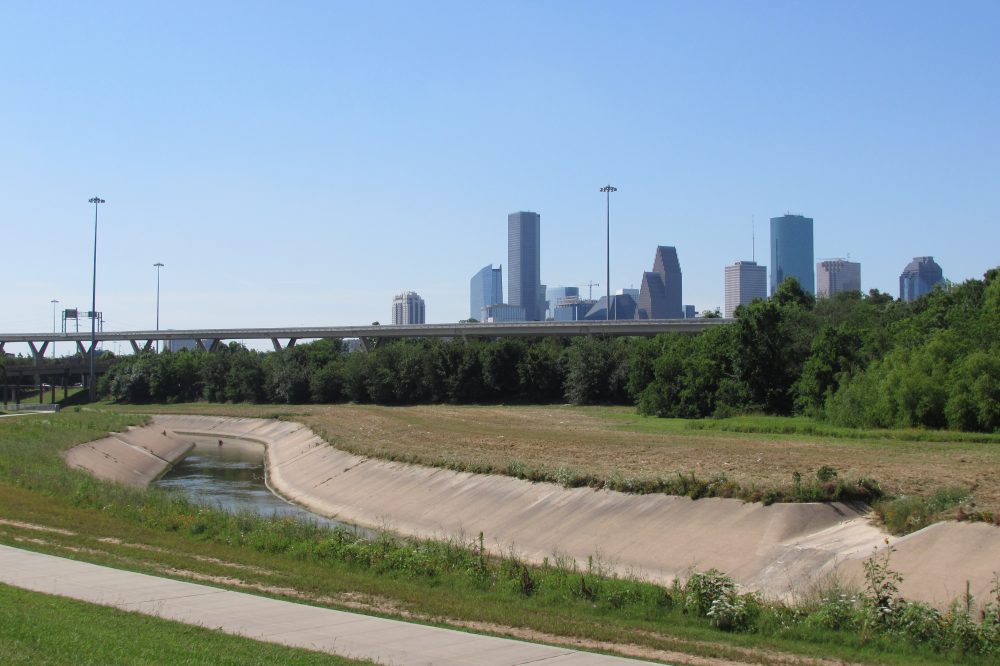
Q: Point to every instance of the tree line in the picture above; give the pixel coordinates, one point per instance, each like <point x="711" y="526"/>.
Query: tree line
<point x="855" y="360"/>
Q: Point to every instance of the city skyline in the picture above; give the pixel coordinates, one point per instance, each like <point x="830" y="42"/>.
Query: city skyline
<point x="267" y="182"/>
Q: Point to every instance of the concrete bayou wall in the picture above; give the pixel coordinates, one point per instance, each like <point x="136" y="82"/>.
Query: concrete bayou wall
<point x="135" y="457"/>
<point x="781" y="550"/>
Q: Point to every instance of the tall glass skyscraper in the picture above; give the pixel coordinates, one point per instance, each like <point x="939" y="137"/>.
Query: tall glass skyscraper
<point x="524" y="283"/>
<point x="792" y="251"/>
<point x="485" y="288"/>
<point x="919" y="278"/>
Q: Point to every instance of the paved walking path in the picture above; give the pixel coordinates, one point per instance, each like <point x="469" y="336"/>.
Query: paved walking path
<point x="338" y="632"/>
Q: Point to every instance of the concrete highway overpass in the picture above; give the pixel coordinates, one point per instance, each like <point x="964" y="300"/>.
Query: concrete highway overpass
<point x="209" y="338"/>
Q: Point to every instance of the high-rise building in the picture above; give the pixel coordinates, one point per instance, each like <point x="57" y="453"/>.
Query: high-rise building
<point x="524" y="283"/>
<point x="408" y="308"/>
<point x="834" y="276"/>
<point x="792" y="251"/>
<point x="745" y="281"/>
<point x="919" y="278"/>
<point x="660" y="291"/>
<point x="485" y="288"/>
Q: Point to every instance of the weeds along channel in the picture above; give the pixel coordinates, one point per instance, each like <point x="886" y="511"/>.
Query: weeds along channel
<point x="457" y="582"/>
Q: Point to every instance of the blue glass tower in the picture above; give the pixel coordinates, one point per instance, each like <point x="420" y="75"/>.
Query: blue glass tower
<point x="792" y="251"/>
<point x="524" y="283"/>
<point x="485" y="288"/>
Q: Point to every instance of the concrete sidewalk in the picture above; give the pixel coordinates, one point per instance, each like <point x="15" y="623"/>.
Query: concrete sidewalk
<point x="336" y="632"/>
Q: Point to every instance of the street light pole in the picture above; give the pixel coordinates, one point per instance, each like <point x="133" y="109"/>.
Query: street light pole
<point x="608" y="189"/>
<point x="158" y="267"/>
<point x="54" y="301"/>
<point x="93" y="306"/>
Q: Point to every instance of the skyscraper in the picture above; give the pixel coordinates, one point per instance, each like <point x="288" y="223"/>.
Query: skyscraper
<point x="660" y="291"/>
<point x="524" y="283"/>
<point x="745" y="281"/>
<point x="919" y="278"/>
<point x="485" y="288"/>
<point x="408" y="308"/>
<point x="834" y="276"/>
<point x="792" y="251"/>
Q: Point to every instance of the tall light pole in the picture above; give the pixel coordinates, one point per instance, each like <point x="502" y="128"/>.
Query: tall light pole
<point x="158" y="266"/>
<point x="54" y="301"/>
<point x="93" y="306"/>
<point x="608" y="189"/>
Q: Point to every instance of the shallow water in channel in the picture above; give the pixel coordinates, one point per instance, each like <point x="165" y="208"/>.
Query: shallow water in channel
<point x="231" y="476"/>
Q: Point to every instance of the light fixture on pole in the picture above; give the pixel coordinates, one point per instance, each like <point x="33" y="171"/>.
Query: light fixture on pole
<point x="608" y="189"/>
<point x="93" y="306"/>
<point x="158" y="266"/>
<point x="54" y="301"/>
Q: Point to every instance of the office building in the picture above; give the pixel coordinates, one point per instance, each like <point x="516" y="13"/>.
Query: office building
<point x="745" y="281"/>
<point x="834" y="276"/>
<point x="485" y="288"/>
<point x="553" y="296"/>
<point x="690" y="312"/>
<point x="524" y="283"/>
<point x="498" y="312"/>
<point x="919" y="278"/>
<point x="572" y="308"/>
<point x="792" y="251"/>
<point x="660" y="291"/>
<point x="407" y="308"/>
<point x="623" y="306"/>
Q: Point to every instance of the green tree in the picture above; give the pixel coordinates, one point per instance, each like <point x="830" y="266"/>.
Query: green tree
<point x="772" y="343"/>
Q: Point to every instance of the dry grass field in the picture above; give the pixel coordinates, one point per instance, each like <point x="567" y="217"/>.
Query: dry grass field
<point x="616" y="443"/>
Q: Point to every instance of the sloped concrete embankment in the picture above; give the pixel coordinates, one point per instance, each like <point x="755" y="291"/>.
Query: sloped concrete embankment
<point x="135" y="457"/>
<point x="780" y="550"/>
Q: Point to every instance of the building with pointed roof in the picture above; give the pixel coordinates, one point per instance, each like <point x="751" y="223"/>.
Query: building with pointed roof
<point x="660" y="291"/>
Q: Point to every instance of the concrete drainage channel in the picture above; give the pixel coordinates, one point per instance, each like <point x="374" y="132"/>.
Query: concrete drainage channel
<point x="778" y="550"/>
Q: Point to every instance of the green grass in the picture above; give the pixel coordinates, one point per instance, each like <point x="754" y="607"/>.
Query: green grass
<point x="449" y="583"/>
<point x="38" y="628"/>
<point x="759" y="424"/>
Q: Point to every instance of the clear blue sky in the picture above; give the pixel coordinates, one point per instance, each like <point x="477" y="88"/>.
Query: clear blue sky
<point x="300" y="163"/>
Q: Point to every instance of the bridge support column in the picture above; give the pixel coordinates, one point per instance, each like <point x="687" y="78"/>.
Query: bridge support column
<point x="80" y="348"/>
<point x="38" y="352"/>
<point x="135" y="347"/>
<point x="277" y="343"/>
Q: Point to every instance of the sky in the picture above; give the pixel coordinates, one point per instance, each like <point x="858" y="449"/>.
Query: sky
<point x="300" y="163"/>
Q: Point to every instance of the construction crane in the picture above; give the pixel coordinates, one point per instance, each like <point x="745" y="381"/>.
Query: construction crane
<point x="590" y="286"/>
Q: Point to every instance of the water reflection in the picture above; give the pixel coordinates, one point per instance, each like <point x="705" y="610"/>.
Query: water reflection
<point x="229" y="474"/>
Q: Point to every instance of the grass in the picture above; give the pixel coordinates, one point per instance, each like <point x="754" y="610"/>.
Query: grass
<point x="38" y="628"/>
<point x="53" y="509"/>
